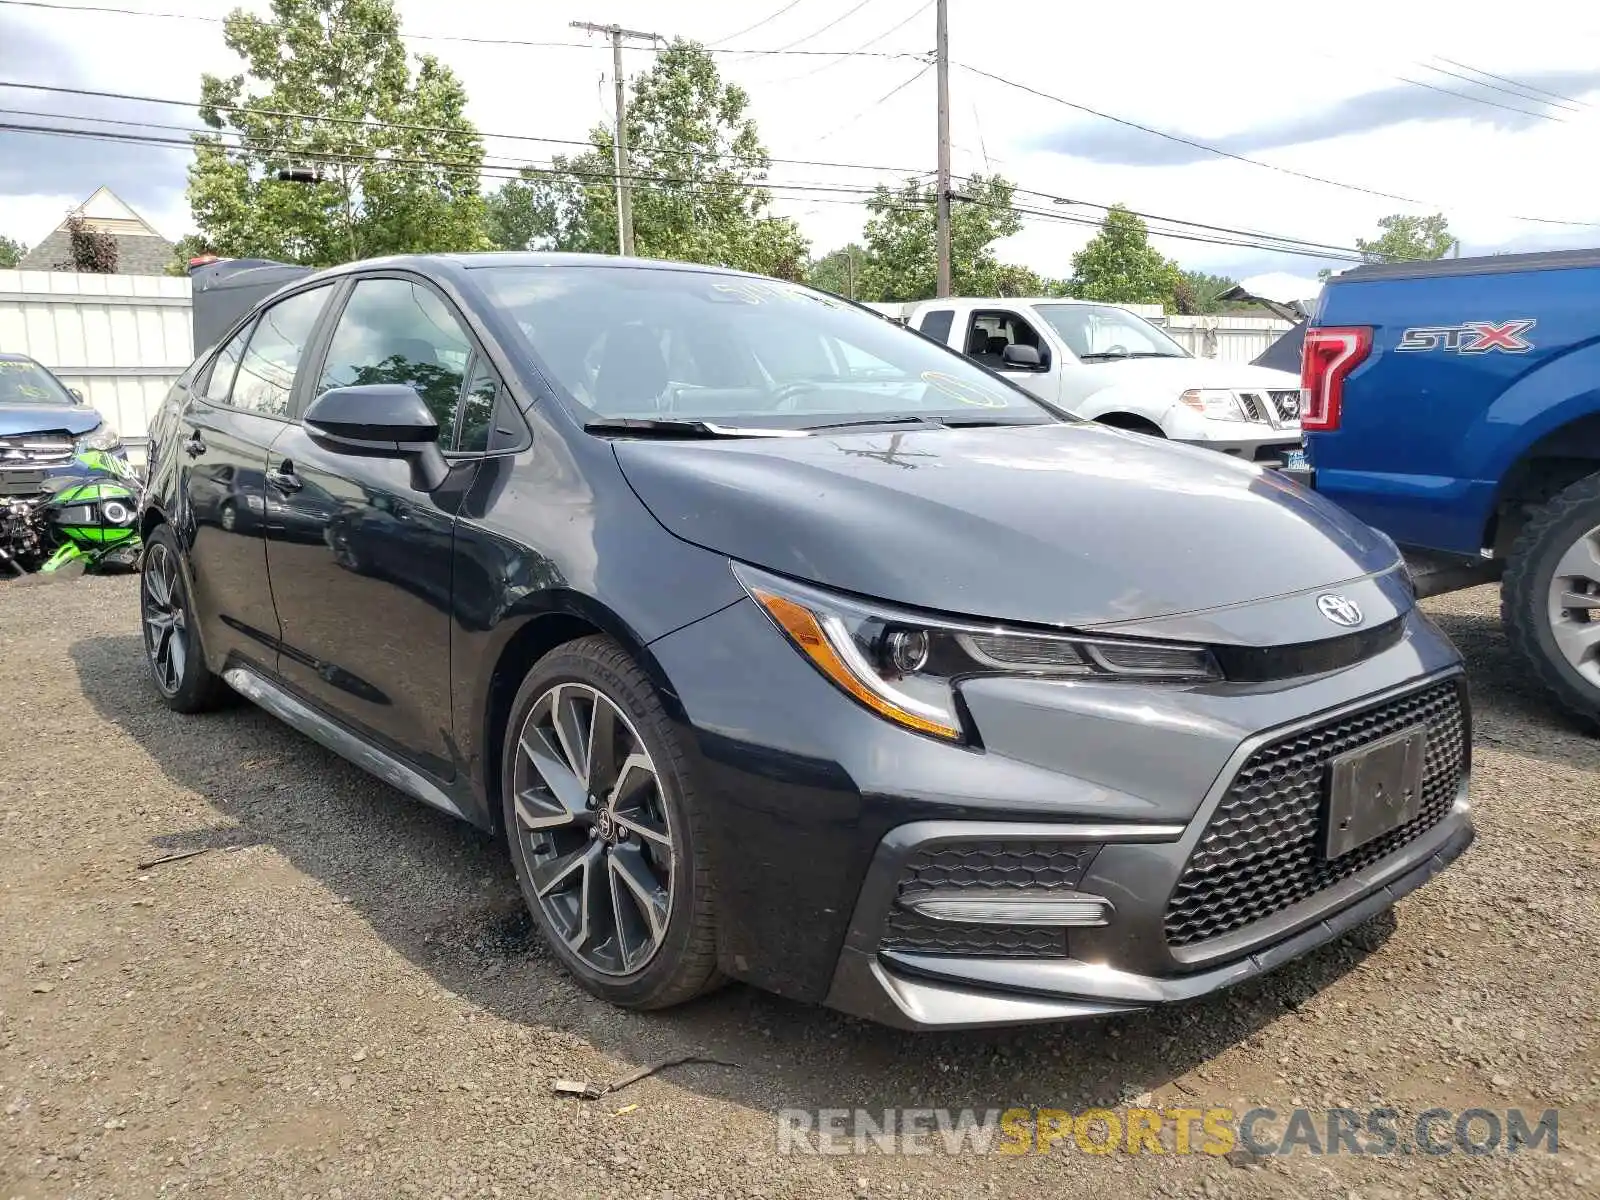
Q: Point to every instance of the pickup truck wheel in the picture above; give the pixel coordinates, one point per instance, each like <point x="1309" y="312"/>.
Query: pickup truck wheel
<point x="1550" y="596"/>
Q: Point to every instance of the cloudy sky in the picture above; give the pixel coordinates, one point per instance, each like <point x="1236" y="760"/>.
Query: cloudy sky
<point x="1458" y="107"/>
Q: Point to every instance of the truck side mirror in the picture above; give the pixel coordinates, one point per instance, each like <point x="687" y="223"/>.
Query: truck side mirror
<point x="1021" y="358"/>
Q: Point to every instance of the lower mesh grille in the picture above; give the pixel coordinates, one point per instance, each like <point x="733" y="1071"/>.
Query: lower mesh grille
<point x="1261" y="851"/>
<point x="993" y="867"/>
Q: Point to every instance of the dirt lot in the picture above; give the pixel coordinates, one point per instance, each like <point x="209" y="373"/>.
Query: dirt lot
<point x="341" y="997"/>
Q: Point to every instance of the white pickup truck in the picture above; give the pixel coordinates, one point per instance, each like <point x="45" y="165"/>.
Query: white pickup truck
<point x="1107" y="364"/>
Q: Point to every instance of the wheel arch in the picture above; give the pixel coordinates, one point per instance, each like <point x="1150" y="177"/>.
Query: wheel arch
<point x="1550" y="463"/>
<point x="561" y="618"/>
<point x="1132" y="422"/>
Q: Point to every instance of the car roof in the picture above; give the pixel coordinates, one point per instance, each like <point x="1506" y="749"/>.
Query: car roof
<point x="12" y="356"/>
<point x="522" y="258"/>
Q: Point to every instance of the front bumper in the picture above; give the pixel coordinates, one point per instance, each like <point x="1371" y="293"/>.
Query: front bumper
<point x="927" y="991"/>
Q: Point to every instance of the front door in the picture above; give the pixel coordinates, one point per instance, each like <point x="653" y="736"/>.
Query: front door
<point x="360" y="560"/>
<point x="236" y="410"/>
<point x="990" y="331"/>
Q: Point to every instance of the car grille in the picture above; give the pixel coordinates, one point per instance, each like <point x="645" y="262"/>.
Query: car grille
<point x="1275" y="408"/>
<point x="1261" y="851"/>
<point x="26" y="459"/>
<point x="997" y="867"/>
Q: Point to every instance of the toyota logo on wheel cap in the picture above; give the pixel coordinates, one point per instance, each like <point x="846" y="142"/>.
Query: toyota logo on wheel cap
<point x="1339" y="610"/>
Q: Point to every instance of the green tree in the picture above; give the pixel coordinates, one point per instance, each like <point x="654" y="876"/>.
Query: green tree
<point x="902" y="252"/>
<point x="697" y="164"/>
<point x="839" y="271"/>
<point x="1197" y="292"/>
<point x="1120" y="266"/>
<point x="11" y="252"/>
<point x="395" y="161"/>
<point x="1408" y="238"/>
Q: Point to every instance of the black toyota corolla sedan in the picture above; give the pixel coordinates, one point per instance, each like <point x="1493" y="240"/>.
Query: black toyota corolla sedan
<point x="783" y="644"/>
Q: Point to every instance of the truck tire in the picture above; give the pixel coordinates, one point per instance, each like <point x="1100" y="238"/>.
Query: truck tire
<point x="1550" y="596"/>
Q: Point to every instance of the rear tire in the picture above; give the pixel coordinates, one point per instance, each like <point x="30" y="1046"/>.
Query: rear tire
<point x="172" y="649"/>
<point x="1550" y="596"/>
<point x="605" y="831"/>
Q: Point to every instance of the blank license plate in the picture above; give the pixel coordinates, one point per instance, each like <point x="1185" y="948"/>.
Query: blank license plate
<point x="1375" y="789"/>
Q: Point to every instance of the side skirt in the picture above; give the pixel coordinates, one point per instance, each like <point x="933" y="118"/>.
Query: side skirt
<point x="299" y="715"/>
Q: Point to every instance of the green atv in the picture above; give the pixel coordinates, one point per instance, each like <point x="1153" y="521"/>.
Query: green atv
<point x="87" y="516"/>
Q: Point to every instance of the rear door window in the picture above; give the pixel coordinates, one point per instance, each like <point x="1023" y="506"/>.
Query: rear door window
<point x="266" y="371"/>
<point x="936" y="324"/>
<point x="219" y="382"/>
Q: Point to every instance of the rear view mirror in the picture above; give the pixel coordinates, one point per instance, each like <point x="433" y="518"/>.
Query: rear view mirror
<point x="1024" y="358"/>
<point x="380" y="420"/>
<point x="76" y="395"/>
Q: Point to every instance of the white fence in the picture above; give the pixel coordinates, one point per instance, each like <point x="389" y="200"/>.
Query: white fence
<point x="119" y="339"/>
<point x="1224" y="337"/>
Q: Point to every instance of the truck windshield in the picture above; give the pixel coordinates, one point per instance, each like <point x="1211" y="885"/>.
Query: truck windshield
<point x="1101" y="331"/>
<point x="637" y="342"/>
<point x="23" y="381"/>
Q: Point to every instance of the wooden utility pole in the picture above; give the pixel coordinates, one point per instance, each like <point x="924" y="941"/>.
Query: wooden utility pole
<point x="942" y="56"/>
<point x="619" y="139"/>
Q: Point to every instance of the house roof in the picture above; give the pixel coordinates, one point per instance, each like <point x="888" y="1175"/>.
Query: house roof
<point x="140" y="249"/>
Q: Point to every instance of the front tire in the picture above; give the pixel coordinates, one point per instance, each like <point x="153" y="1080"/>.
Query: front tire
<point x="605" y="831"/>
<point x="172" y="650"/>
<point x="1550" y="596"/>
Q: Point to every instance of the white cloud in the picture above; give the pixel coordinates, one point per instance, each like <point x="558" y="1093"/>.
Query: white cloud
<point x="1203" y="71"/>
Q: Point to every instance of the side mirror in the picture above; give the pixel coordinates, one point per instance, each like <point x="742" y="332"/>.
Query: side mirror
<point x="380" y="420"/>
<point x="1022" y="358"/>
<point x="77" y="395"/>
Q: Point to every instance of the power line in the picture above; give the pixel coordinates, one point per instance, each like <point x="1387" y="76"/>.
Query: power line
<point x="1254" y="162"/>
<point x="816" y="32"/>
<point x="772" y="16"/>
<point x="436" y="37"/>
<point x="878" y="103"/>
<point x="1433" y="87"/>
<point x="1493" y="88"/>
<point x="893" y="29"/>
<point x="371" y="123"/>
<point x="1528" y="87"/>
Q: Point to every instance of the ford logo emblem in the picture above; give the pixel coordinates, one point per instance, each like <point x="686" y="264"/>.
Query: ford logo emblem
<point x="1339" y="610"/>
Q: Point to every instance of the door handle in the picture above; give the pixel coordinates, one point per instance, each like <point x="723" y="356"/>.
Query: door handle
<point x="195" y="446"/>
<point x="284" y="479"/>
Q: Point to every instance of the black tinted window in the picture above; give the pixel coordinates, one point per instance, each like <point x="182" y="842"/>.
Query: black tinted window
<point x="478" y="407"/>
<point x="393" y="331"/>
<point x="936" y="323"/>
<point x="266" y="372"/>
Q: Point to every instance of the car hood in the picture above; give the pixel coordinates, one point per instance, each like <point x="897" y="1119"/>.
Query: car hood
<point x="1057" y="524"/>
<point x="1177" y="375"/>
<point x="43" y="418"/>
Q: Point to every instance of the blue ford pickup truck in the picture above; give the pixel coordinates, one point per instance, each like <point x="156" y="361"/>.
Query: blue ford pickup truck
<point x="1455" y="405"/>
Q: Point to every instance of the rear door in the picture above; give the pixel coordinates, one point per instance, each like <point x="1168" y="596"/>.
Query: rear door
<point x="238" y="406"/>
<point x="361" y="561"/>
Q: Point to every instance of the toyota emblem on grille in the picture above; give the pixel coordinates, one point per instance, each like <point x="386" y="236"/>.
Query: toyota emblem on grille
<point x="1339" y="610"/>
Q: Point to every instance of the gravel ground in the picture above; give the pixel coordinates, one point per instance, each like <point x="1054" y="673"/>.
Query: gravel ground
<point x="341" y="997"/>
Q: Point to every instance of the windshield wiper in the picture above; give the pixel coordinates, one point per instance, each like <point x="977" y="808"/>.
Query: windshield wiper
<point x="681" y="428"/>
<point x="1102" y="354"/>
<point x="877" y="421"/>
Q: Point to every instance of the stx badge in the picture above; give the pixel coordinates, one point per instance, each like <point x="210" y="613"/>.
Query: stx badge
<point x="1474" y="337"/>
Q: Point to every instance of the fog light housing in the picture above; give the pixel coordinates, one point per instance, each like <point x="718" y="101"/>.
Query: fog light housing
<point x="1079" y="909"/>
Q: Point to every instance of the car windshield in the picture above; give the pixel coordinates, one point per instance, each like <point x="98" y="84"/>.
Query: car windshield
<point x="636" y="342"/>
<point x="25" y="382"/>
<point x="1095" y="331"/>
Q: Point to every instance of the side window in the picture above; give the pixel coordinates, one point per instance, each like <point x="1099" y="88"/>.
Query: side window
<point x="936" y="323"/>
<point x="395" y="331"/>
<point x="991" y="332"/>
<point x="266" y="372"/>
<point x="220" y="381"/>
<point x="478" y="408"/>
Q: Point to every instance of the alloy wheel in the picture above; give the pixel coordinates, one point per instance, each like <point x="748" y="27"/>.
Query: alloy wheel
<point x="595" y="828"/>
<point x="1574" y="605"/>
<point x="166" y="634"/>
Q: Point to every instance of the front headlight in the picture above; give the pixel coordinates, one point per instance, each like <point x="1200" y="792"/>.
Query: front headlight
<point x="1214" y="403"/>
<point x="906" y="666"/>
<point x="102" y="437"/>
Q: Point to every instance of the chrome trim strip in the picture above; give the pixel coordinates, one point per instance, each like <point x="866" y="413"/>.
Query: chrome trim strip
<point x="920" y="833"/>
<point x="301" y="716"/>
<point x="982" y="909"/>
